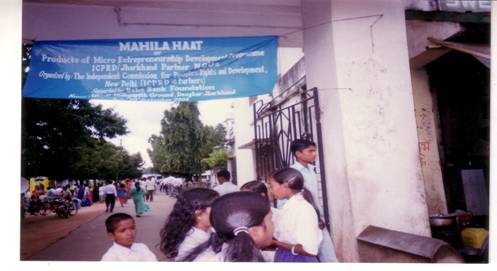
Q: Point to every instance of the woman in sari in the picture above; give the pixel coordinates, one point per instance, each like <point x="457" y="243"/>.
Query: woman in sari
<point x="138" y="199"/>
<point x="122" y="194"/>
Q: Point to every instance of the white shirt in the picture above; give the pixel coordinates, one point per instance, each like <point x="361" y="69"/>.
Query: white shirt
<point x="109" y="189"/>
<point x="193" y="238"/>
<point x="150" y="185"/>
<point x="137" y="252"/>
<point x="310" y="181"/>
<point x="225" y="188"/>
<point x="298" y="224"/>
<point x="209" y="255"/>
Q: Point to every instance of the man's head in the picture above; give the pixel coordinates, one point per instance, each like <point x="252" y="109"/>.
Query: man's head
<point x="223" y="176"/>
<point x="121" y="228"/>
<point x="304" y="150"/>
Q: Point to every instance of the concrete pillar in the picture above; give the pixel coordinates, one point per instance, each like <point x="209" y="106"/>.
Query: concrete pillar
<point x="356" y="55"/>
<point x="429" y="158"/>
<point x="244" y="133"/>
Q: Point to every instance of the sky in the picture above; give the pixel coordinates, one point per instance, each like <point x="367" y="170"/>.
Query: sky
<point x="144" y="120"/>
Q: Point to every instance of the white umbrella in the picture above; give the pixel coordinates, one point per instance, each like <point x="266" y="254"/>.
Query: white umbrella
<point x="24" y="185"/>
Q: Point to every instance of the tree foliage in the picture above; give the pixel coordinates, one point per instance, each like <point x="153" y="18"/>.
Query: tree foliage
<point x="183" y="141"/>
<point x="67" y="139"/>
<point x="217" y="160"/>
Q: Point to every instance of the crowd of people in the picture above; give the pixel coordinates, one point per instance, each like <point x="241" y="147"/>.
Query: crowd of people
<point x="220" y="223"/>
<point x="228" y="223"/>
<point x="86" y="193"/>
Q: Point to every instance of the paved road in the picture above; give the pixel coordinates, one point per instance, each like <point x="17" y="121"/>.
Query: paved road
<point x="89" y="242"/>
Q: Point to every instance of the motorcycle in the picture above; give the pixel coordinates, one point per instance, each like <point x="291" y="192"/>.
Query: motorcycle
<point x="63" y="207"/>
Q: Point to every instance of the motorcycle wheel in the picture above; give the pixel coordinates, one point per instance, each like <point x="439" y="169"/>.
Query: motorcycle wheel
<point x="59" y="213"/>
<point x="72" y="209"/>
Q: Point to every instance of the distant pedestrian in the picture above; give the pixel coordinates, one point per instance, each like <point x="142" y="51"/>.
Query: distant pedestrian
<point x="225" y="186"/>
<point x="122" y="194"/>
<point x="150" y="189"/>
<point x="94" y="191"/>
<point x="81" y="193"/>
<point x="101" y="193"/>
<point x="110" y="193"/>
<point x="121" y="228"/>
<point x="138" y="199"/>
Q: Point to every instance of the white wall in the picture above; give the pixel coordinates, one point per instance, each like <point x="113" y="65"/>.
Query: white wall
<point x="370" y="141"/>
<point x="244" y="133"/>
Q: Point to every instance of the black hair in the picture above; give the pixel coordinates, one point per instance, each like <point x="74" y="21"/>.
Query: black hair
<point x="229" y="212"/>
<point x="289" y="175"/>
<point x="257" y="187"/>
<point x="112" y="221"/>
<point x="225" y="174"/>
<point x="309" y="198"/>
<point x="295" y="181"/>
<point x="137" y="186"/>
<point x="182" y="218"/>
<point x="300" y="144"/>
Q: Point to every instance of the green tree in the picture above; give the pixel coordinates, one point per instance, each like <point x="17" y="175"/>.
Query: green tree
<point x="66" y="139"/>
<point x="212" y="138"/>
<point x="217" y="160"/>
<point x="183" y="141"/>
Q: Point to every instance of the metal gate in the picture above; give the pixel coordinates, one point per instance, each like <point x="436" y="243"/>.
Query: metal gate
<point x="276" y="125"/>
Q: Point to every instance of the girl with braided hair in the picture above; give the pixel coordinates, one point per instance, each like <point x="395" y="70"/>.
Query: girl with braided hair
<point x="188" y="225"/>
<point x="297" y="233"/>
<point x="243" y="226"/>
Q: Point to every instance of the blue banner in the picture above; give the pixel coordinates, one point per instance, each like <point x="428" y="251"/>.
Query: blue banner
<point x="164" y="69"/>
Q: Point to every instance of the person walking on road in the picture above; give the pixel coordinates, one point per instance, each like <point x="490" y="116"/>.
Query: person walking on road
<point x="95" y="192"/>
<point x="110" y="193"/>
<point x="150" y="187"/>
<point x="138" y="199"/>
<point x="122" y="194"/>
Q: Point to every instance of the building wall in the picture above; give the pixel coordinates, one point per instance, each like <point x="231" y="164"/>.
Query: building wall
<point x="360" y="64"/>
<point x="244" y="133"/>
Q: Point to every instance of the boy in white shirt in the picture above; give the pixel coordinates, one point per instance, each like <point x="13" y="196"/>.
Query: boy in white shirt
<point x="225" y="185"/>
<point x="121" y="229"/>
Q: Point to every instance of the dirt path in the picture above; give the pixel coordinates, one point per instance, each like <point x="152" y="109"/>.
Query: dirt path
<point x="38" y="232"/>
